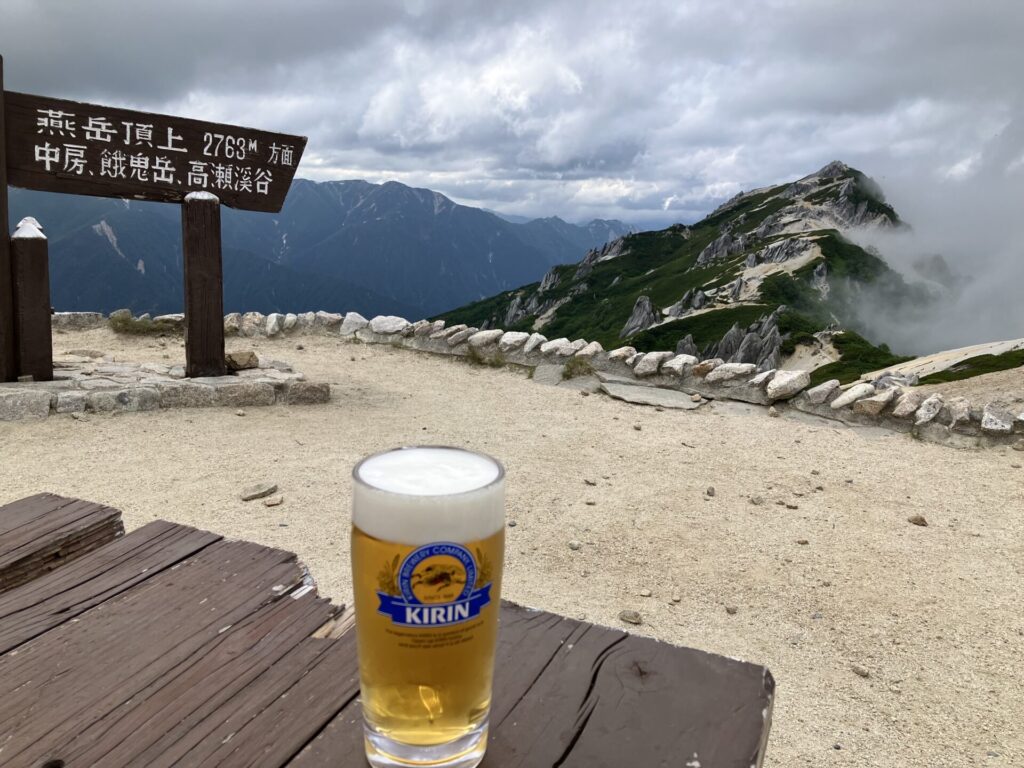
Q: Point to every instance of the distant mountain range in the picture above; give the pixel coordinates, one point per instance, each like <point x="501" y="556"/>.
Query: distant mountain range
<point x="338" y="245"/>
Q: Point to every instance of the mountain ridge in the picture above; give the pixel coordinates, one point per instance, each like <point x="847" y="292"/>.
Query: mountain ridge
<point x="765" y="272"/>
<point x="339" y="245"/>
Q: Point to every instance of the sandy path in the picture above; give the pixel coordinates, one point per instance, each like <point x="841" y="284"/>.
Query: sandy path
<point x="934" y="614"/>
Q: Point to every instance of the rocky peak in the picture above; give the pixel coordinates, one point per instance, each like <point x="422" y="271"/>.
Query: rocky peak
<point x="643" y="316"/>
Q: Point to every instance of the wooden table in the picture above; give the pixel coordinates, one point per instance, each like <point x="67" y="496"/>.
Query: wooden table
<point x="174" y="646"/>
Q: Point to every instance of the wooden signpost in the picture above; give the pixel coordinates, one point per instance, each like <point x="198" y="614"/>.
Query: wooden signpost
<point x="57" y="145"/>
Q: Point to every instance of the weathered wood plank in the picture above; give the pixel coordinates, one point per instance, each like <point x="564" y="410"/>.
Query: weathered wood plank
<point x="607" y="697"/>
<point x="58" y="685"/>
<point x="43" y="532"/>
<point x="204" y="287"/>
<point x="573" y="694"/>
<point x="203" y="705"/>
<point x="30" y="267"/>
<point x="64" y="594"/>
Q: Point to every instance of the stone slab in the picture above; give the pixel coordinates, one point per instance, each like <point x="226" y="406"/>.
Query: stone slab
<point x="664" y="398"/>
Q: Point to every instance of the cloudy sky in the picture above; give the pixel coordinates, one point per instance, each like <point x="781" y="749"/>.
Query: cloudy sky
<point x="652" y="112"/>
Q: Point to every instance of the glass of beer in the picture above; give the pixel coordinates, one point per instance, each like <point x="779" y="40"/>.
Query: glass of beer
<point x="428" y="540"/>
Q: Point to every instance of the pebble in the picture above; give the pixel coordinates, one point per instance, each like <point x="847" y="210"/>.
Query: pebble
<point x="695" y="398"/>
<point x="731" y="610"/>
<point x="511" y="523"/>
<point x="590" y="503"/>
<point x="1015" y="466"/>
<point x="273" y="501"/>
<point x="817" y="615"/>
<point x="757" y="501"/>
<point x="79" y="417"/>
<point x="574" y="545"/>
<point x="637" y="427"/>
<point x="802" y="542"/>
<point x="711" y="490"/>
<point x="630" y="617"/>
<point x="676" y="599"/>
<point x="258" y="491"/>
<point x="589" y="481"/>
<point x="792" y="506"/>
<point x="860" y="671"/>
<point x="239" y="412"/>
<point x="815" y="472"/>
<point x="773" y="412"/>
<point x="645" y="593"/>
<point x="918" y="520"/>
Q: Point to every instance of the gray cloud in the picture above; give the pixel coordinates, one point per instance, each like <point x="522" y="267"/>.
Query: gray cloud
<point x="653" y="111"/>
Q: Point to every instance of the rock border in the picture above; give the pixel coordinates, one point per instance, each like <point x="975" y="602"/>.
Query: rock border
<point x="883" y="403"/>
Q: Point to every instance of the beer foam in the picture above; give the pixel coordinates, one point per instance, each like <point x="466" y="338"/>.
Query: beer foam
<point x="420" y="495"/>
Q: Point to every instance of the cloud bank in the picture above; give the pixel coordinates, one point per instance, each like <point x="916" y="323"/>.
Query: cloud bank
<point x="653" y="111"/>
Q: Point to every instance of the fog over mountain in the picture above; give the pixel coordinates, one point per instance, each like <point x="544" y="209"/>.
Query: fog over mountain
<point x="970" y="215"/>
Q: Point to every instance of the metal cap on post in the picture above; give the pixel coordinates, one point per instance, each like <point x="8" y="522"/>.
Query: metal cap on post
<point x="30" y="268"/>
<point x="204" y="293"/>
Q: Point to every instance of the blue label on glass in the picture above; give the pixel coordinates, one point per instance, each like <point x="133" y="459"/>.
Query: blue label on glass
<point x="438" y="585"/>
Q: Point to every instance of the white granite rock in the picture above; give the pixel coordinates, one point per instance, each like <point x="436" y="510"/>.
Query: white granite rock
<point x="852" y="395"/>
<point x="874" y="405"/>
<point x="535" y="341"/>
<point x="252" y="324"/>
<point x="678" y="365"/>
<point x="651" y="362"/>
<point x="591" y="349"/>
<point x="232" y="323"/>
<point x="821" y="393"/>
<point x="959" y="411"/>
<point x="512" y="340"/>
<point x="429" y="329"/>
<point x="290" y="321"/>
<point x="327" y="321"/>
<point x="635" y="358"/>
<point x="729" y="372"/>
<point x="388" y="324"/>
<point x="996" y="420"/>
<point x="481" y="339"/>
<point x="353" y="322"/>
<point x="622" y="353"/>
<point x="275" y="323"/>
<point x="552" y="347"/>
<point x="907" y="404"/>
<point x="462" y="336"/>
<point x="306" y="319"/>
<point x="928" y="410"/>
<point x="762" y="379"/>
<point x="786" y="384"/>
<point x="444" y="333"/>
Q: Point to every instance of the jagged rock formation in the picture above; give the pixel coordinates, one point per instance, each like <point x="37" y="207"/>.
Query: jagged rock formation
<point x="643" y="316"/>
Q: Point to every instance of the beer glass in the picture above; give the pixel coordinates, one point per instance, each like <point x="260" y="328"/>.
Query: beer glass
<point x="428" y="539"/>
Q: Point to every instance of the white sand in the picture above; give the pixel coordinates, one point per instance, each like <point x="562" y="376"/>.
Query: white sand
<point x="933" y="613"/>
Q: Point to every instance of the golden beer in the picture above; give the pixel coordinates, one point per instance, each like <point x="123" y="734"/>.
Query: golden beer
<point x="427" y="548"/>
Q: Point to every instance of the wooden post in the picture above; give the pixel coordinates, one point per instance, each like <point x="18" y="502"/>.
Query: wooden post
<point x="30" y="267"/>
<point x="8" y="358"/>
<point x="204" y="285"/>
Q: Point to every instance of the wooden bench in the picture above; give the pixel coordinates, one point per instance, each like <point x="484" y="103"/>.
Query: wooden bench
<point x="173" y="646"/>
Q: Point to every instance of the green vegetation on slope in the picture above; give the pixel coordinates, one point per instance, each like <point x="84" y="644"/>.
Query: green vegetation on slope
<point x="707" y="328"/>
<point x="859" y="356"/>
<point x="977" y="366"/>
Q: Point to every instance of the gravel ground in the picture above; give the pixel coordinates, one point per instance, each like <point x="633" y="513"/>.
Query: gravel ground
<point x="806" y="535"/>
